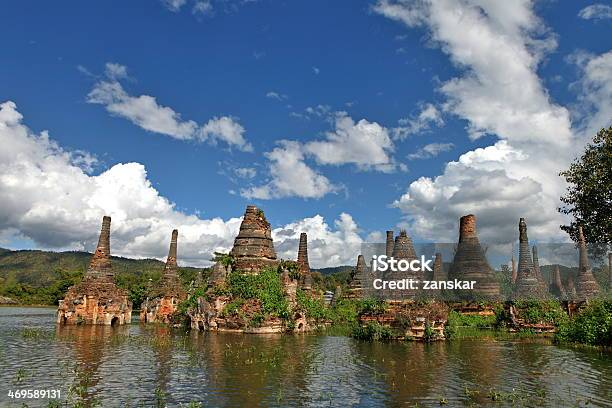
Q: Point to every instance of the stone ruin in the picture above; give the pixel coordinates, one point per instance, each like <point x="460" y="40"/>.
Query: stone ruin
<point x="96" y="299"/>
<point x="253" y="248"/>
<point x="303" y="265"/>
<point x="358" y="280"/>
<point x="586" y="285"/>
<point x="163" y="300"/>
<point x="537" y="270"/>
<point x="556" y="286"/>
<point x="389" y="244"/>
<point x="527" y="284"/>
<point x="470" y="263"/>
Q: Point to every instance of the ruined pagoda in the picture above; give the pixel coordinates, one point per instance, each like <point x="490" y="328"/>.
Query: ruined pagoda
<point x="165" y="297"/>
<point x="470" y="263"/>
<point x="537" y="270"/>
<point x="586" y="285"/>
<point x="527" y="283"/>
<point x="389" y="244"/>
<point x="358" y="280"/>
<point x="556" y="286"/>
<point x="96" y="299"/>
<point x="303" y="265"/>
<point x="253" y="248"/>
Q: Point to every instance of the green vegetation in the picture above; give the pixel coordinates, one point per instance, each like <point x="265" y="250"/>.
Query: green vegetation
<point x="43" y="277"/>
<point x="540" y="311"/>
<point x="592" y="326"/>
<point x="373" y="332"/>
<point x="589" y="196"/>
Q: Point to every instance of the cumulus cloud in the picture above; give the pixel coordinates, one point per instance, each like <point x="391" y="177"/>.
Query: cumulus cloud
<point x="174" y="5"/>
<point x="245" y="172"/>
<point x="326" y="246"/>
<point x="495" y="45"/>
<point x="290" y="176"/>
<point x="364" y="144"/>
<point x="276" y="95"/>
<point x="48" y="197"/>
<point x="144" y="111"/>
<point x="431" y="150"/>
<point x="596" y="12"/>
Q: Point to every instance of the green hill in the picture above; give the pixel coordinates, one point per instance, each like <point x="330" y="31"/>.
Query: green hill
<point x="42" y="277"/>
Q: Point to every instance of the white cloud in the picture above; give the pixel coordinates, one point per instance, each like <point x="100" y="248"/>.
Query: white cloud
<point x="49" y="198"/>
<point x="225" y="129"/>
<point x="365" y="144"/>
<point x="144" y="111"/>
<point x="431" y="150"/>
<point x="596" y="12"/>
<point x="245" y="172"/>
<point x="174" y="5"/>
<point x="202" y="7"/>
<point x="429" y="115"/>
<point x="290" y="176"/>
<point x="496" y="45"/>
<point x="115" y="71"/>
<point x="276" y="95"/>
<point x="316" y="70"/>
<point x="326" y="247"/>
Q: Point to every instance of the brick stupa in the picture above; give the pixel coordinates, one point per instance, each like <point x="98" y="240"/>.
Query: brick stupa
<point x="556" y="286"/>
<point x="586" y="285"/>
<point x="303" y="265"/>
<point x="527" y="283"/>
<point x="253" y="248"/>
<point x="537" y="270"/>
<point x="470" y="263"/>
<point x="358" y="280"/>
<point x="389" y="244"/>
<point x="96" y="299"/>
<point x="164" y="299"/>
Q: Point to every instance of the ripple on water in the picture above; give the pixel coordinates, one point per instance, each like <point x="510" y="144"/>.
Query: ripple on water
<point x="136" y="364"/>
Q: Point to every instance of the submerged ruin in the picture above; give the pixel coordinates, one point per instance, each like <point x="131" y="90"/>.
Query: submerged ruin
<point x="470" y="263"/>
<point x="97" y="299"/>
<point x="164" y="298"/>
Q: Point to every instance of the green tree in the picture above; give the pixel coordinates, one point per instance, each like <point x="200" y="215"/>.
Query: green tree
<point x="589" y="195"/>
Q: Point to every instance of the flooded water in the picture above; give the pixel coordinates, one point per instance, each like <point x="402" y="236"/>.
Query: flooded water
<point x="153" y="366"/>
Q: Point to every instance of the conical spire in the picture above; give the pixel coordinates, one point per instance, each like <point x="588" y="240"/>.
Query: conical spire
<point x="556" y="287"/>
<point x="302" y="257"/>
<point x="171" y="268"/>
<point x="527" y="284"/>
<point x="514" y="274"/>
<point x="470" y="263"/>
<point x="438" y="269"/>
<point x="536" y="268"/>
<point x="586" y="285"/>
<point x="358" y="279"/>
<point x="389" y="244"/>
<point x="100" y="264"/>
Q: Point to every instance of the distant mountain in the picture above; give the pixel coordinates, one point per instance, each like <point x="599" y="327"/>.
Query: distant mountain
<point x="332" y="270"/>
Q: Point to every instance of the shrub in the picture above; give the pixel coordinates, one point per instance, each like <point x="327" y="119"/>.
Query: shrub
<point x="265" y="286"/>
<point x="372" y="332"/>
<point x="313" y="307"/>
<point x="592" y="326"/>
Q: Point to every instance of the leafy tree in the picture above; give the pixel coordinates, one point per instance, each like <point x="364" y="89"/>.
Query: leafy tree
<point x="589" y="196"/>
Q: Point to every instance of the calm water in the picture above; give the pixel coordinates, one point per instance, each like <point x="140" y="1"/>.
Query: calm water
<point x="153" y="366"/>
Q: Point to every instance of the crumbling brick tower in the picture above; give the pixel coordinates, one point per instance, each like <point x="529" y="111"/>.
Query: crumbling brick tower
<point x="358" y="280"/>
<point x="253" y="248"/>
<point x="527" y="284"/>
<point x="556" y="287"/>
<point x="470" y="263"/>
<point x="164" y="299"/>
<point x="389" y="244"/>
<point x="303" y="265"/>
<point x="586" y="285"/>
<point x="96" y="299"/>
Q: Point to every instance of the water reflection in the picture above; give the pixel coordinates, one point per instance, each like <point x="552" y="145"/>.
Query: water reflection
<point x="156" y="366"/>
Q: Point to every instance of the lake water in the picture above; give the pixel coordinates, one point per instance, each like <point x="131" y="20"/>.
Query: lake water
<point x="139" y="365"/>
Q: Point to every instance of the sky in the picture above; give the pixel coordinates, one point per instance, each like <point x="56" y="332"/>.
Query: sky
<point x="340" y="119"/>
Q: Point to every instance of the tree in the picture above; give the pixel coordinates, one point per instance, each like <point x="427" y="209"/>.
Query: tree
<point x="589" y="195"/>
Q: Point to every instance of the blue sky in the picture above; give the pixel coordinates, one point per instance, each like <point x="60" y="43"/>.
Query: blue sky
<point x="264" y="65"/>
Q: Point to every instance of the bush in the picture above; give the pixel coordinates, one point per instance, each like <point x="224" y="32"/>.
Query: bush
<point x="313" y="307"/>
<point x="265" y="286"/>
<point x="592" y="326"/>
<point x="372" y="332"/>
